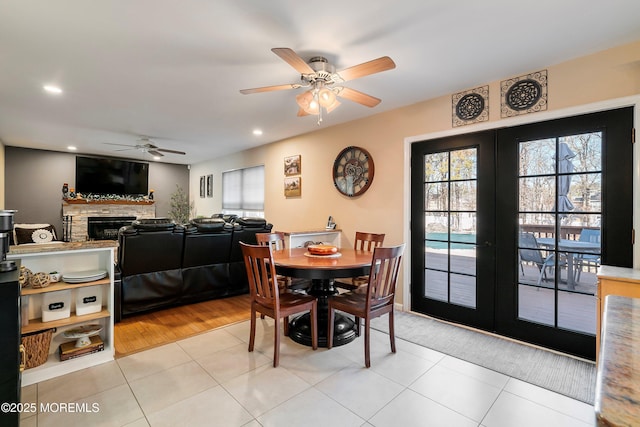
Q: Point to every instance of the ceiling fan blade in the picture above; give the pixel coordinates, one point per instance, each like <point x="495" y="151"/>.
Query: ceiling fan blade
<point x="121" y="145"/>
<point x="269" y="88"/>
<point x="374" y="66"/>
<point x="155" y="153"/>
<point x="164" y="150"/>
<point x="359" y="97"/>
<point x="292" y="58"/>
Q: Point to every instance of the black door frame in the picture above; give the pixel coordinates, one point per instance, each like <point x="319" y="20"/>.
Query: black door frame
<point x="617" y="230"/>
<point x="482" y="316"/>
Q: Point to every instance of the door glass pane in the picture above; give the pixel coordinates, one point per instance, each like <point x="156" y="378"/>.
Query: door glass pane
<point x="450" y="190"/>
<point x="588" y="150"/>
<point x="586" y="193"/>
<point x="536" y="305"/>
<point x="436" y="285"/>
<point x="463" y="227"/>
<point x="560" y="193"/>
<point x="576" y="311"/>
<point x="463" y="290"/>
<point x="537" y="157"/>
<point x="436" y="196"/>
<point x="537" y="194"/>
<point x="463" y="164"/>
<point x="463" y="258"/>
<point x="436" y="167"/>
<point x="463" y="195"/>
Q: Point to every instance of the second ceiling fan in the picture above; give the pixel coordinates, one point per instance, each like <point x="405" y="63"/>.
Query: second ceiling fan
<point x="324" y="82"/>
<point x="145" y="145"/>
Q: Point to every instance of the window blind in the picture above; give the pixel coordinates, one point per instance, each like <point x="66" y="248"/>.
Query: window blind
<point x="243" y="189"/>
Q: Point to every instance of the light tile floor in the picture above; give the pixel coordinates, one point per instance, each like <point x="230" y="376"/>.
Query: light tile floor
<point x="211" y="380"/>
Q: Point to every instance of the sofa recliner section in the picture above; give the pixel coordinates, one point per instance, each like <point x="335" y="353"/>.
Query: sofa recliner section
<point x="161" y="264"/>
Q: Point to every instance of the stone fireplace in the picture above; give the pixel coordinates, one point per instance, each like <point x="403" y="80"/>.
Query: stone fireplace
<point x="106" y="217"/>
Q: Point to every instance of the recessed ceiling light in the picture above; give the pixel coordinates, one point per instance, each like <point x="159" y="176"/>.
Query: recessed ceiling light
<point x="257" y="132"/>
<point x="72" y="148"/>
<point x="156" y="157"/>
<point x="52" y="89"/>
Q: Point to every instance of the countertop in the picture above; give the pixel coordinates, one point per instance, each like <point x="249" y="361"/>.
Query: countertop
<point x="321" y="231"/>
<point x="60" y="246"/>
<point x="617" y="401"/>
<point x="624" y="274"/>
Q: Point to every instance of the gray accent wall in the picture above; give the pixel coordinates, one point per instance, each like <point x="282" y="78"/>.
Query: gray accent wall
<point x="34" y="179"/>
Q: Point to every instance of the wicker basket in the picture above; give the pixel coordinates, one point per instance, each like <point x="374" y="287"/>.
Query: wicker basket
<point x="39" y="280"/>
<point x="36" y="347"/>
<point x="25" y="275"/>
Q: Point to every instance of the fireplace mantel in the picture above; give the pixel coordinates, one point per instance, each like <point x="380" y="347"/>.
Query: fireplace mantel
<point x="76" y="212"/>
<point x="106" y="202"/>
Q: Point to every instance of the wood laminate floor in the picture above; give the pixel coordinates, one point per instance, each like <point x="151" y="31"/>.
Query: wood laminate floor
<point x="145" y="331"/>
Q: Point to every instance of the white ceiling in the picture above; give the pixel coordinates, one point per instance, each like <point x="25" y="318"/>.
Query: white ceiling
<point x="172" y="69"/>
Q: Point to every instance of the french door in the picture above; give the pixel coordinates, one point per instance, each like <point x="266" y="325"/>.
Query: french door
<point x="509" y="226"/>
<point x="453" y="235"/>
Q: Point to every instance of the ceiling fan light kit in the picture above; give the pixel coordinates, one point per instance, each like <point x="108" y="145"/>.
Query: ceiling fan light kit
<point x="320" y="76"/>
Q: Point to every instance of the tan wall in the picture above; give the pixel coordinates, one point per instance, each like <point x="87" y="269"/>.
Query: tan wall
<point x="606" y="75"/>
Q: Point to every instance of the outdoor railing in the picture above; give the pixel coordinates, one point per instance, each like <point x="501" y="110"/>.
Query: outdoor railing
<point x="569" y="232"/>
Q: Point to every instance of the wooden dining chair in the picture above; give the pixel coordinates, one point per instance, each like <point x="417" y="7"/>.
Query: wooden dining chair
<point x="277" y="241"/>
<point x="266" y="298"/>
<point x="364" y="242"/>
<point x="378" y="300"/>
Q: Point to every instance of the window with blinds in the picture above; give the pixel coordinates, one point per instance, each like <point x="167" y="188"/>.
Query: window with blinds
<point x="243" y="192"/>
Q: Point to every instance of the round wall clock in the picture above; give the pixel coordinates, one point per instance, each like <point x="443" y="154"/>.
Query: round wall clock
<point x="353" y="171"/>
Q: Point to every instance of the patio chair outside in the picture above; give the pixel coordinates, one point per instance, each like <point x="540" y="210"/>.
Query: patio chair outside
<point x="530" y="252"/>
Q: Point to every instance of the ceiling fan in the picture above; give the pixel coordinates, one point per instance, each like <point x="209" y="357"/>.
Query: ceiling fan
<point x="146" y="146"/>
<point x="324" y="82"/>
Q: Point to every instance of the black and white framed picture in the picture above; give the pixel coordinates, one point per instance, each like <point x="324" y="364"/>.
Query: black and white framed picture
<point x="524" y="94"/>
<point x="470" y="106"/>
<point x="202" y="186"/>
<point x="209" y="185"/>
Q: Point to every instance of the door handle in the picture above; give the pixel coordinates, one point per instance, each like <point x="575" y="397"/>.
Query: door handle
<point x="23" y="358"/>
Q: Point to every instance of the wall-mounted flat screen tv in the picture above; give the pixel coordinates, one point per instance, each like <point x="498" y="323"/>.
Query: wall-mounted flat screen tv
<point x="111" y="176"/>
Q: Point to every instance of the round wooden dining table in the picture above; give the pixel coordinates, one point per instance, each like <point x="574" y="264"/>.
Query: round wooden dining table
<point x="322" y="270"/>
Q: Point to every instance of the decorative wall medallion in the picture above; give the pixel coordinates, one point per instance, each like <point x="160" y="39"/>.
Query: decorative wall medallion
<point x="471" y="106"/>
<point x="353" y="171"/>
<point x="524" y="94"/>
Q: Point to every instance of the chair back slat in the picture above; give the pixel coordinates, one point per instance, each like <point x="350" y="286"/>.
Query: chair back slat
<point x="275" y="239"/>
<point x="367" y="241"/>
<point x="261" y="273"/>
<point x="383" y="276"/>
<point x="590" y="235"/>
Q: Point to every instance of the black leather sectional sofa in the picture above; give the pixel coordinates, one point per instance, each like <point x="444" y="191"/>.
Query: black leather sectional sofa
<point x="162" y="264"/>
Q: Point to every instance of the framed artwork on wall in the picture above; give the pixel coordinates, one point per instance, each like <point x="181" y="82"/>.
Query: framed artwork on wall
<point x="202" y="186"/>
<point x="293" y="165"/>
<point x="209" y="185"/>
<point x="293" y="187"/>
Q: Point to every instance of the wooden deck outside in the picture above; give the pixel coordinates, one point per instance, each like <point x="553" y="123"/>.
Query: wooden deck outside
<point x="576" y="307"/>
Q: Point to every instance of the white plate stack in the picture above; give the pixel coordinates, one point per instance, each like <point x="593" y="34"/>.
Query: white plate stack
<point x="84" y="276"/>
